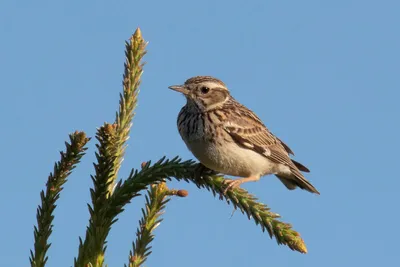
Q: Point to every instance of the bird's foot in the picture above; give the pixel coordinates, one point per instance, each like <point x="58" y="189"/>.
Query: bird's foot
<point x="232" y="184"/>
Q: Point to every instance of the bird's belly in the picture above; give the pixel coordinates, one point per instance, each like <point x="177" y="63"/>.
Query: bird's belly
<point x="228" y="158"/>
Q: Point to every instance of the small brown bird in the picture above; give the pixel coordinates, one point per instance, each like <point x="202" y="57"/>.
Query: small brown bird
<point x="227" y="137"/>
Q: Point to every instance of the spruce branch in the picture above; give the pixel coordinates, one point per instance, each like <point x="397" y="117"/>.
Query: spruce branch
<point x="112" y="142"/>
<point x="187" y="171"/>
<point x="62" y="169"/>
<point x="138" y="180"/>
<point x="156" y="199"/>
<point x="92" y="249"/>
<point x="135" y="49"/>
<point x="260" y="213"/>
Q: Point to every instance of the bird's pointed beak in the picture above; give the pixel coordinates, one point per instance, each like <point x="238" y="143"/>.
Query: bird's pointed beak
<point x="179" y="88"/>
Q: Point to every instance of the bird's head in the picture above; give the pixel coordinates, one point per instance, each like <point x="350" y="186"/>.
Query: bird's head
<point x="204" y="92"/>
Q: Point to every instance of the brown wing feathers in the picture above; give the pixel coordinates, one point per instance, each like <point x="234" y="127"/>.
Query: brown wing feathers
<point x="263" y="142"/>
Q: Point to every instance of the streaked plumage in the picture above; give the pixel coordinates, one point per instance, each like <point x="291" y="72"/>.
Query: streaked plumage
<point x="227" y="137"/>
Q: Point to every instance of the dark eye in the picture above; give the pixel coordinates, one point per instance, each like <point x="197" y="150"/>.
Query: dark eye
<point x="204" y="90"/>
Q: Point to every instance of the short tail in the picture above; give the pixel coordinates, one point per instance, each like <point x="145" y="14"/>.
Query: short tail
<point x="294" y="182"/>
<point x="296" y="179"/>
<point x="300" y="166"/>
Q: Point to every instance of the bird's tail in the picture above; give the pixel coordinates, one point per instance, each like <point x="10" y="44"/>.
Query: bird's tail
<point x="296" y="179"/>
<point x="293" y="182"/>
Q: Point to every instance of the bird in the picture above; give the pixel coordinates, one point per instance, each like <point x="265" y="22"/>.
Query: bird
<point x="228" y="138"/>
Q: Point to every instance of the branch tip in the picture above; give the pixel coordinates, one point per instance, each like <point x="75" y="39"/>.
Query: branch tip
<point x="62" y="169"/>
<point x="111" y="149"/>
<point x="137" y="34"/>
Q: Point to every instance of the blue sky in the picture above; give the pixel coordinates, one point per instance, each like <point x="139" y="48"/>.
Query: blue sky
<point x="322" y="75"/>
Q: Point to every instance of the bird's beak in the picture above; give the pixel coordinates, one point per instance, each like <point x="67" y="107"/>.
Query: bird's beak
<point x="179" y="88"/>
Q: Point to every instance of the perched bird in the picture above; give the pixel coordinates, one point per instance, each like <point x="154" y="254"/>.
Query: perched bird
<point x="227" y="137"/>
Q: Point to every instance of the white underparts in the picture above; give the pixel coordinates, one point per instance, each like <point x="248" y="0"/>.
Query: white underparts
<point x="232" y="159"/>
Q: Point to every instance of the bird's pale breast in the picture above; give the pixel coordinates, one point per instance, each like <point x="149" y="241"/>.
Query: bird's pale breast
<point x="228" y="158"/>
<point x="215" y="149"/>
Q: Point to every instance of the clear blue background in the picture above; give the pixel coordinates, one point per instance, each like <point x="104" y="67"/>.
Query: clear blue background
<point x="322" y="75"/>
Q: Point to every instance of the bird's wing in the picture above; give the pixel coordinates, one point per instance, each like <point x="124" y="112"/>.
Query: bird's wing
<point x="259" y="140"/>
<point x="249" y="131"/>
<point x="263" y="142"/>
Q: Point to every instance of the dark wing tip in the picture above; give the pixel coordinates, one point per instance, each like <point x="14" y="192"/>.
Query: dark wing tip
<point x="300" y="166"/>
<point x="287" y="148"/>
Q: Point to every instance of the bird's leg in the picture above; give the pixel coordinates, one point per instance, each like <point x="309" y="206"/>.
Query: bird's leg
<point x="231" y="184"/>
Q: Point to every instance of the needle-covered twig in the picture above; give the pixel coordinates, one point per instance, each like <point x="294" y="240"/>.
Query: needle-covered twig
<point x="238" y="197"/>
<point x="156" y="199"/>
<point x="62" y="169"/>
<point x="112" y="143"/>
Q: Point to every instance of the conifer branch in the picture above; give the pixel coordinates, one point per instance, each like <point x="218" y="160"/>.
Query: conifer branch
<point x="62" y="169"/>
<point x="259" y="212"/>
<point x="239" y="197"/>
<point x="112" y="142"/>
<point x="92" y="249"/>
<point x="135" y="50"/>
<point x="156" y="199"/>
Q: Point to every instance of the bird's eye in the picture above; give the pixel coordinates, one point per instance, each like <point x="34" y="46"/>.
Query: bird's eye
<point x="204" y="90"/>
